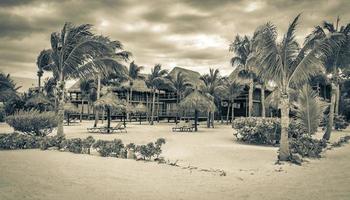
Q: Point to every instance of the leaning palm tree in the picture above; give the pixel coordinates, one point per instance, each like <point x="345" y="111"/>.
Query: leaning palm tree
<point x="77" y="52"/>
<point x="42" y="61"/>
<point x="156" y="81"/>
<point x="211" y="82"/>
<point x="245" y="71"/>
<point x="180" y="84"/>
<point x="339" y="61"/>
<point x="289" y="66"/>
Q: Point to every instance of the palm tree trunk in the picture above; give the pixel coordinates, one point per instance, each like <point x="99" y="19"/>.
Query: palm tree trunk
<point x="284" y="143"/>
<point x="153" y="106"/>
<point x="250" y="98"/>
<point x="108" y="119"/>
<point x="88" y="110"/>
<point x="208" y="119"/>
<point x="329" y="128"/>
<point x="147" y="103"/>
<point x="82" y="109"/>
<point x="128" y="102"/>
<point x="233" y="110"/>
<point x="228" y="113"/>
<point x="103" y="115"/>
<point x="60" y="113"/>
<point x="337" y="100"/>
<point x="98" y="97"/>
<point x="158" y="106"/>
<point x="39" y="83"/>
<point x="177" y="107"/>
<point x="212" y="119"/>
<point x="195" y="120"/>
<point x="263" y="109"/>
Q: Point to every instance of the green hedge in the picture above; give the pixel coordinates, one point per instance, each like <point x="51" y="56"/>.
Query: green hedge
<point x="33" y="122"/>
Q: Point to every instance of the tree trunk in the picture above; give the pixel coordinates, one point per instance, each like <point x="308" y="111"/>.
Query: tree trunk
<point x="337" y="100"/>
<point x="88" y="110"/>
<point x="284" y="143"/>
<point x="228" y="113"/>
<point x="263" y="109"/>
<point x="177" y="107"/>
<point x="82" y="109"/>
<point x="250" y="98"/>
<point x="128" y="103"/>
<point x="108" y="119"/>
<point x="68" y="116"/>
<point x="153" y="105"/>
<point x="60" y="113"/>
<point x="147" y="103"/>
<point x="124" y="117"/>
<point x="158" y="106"/>
<point x="103" y="114"/>
<point x="329" y="127"/>
<point x="98" y="97"/>
<point x="233" y="110"/>
<point x="195" y="120"/>
<point x="208" y="119"/>
<point x="39" y="83"/>
<point x="212" y="119"/>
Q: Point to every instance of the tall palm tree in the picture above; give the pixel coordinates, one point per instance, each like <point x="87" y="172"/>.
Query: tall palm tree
<point x="289" y="66"/>
<point x="134" y="73"/>
<point x="156" y="81"/>
<point x="334" y="64"/>
<point x="77" y="52"/>
<point x="211" y="82"/>
<point x="42" y="61"/>
<point x="243" y="50"/>
<point x="229" y="90"/>
<point x="180" y="84"/>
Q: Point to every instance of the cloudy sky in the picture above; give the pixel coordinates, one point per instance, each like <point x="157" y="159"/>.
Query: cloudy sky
<point x="194" y="34"/>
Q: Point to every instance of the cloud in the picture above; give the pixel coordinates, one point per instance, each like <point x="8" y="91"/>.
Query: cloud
<point x="191" y="33"/>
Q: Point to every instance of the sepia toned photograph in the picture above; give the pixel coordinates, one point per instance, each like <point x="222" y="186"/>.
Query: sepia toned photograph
<point x="174" y="100"/>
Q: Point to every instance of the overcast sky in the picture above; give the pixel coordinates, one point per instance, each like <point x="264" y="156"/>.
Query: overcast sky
<point x="194" y="34"/>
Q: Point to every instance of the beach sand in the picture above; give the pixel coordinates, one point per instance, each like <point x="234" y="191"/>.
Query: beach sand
<point x="251" y="172"/>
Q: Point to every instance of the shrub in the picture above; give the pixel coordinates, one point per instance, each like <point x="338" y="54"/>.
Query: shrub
<point x="33" y="122"/>
<point x="257" y="130"/>
<point x="296" y="129"/>
<point x="74" y="145"/>
<point x="52" y="141"/>
<point x="18" y="141"/>
<point x="307" y="146"/>
<point x="87" y="143"/>
<point x="340" y="123"/>
<point x="109" y="148"/>
<point x="151" y="149"/>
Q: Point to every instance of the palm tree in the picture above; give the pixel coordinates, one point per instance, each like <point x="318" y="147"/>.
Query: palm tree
<point x="86" y="87"/>
<point x="288" y="66"/>
<point x="243" y="50"/>
<point x="134" y="73"/>
<point x="77" y="52"/>
<point x="42" y="61"/>
<point x="211" y="82"/>
<point x="180" y="85"/>
<point x="156" y="81"/>
<point x="229" y="90"/>
<point x="334" y="64"/>
<point x="8" y="88"/>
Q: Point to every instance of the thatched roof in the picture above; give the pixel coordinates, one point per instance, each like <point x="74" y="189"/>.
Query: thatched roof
<point x="70" y="108"/>
<point x="140" y="108"/>
<point x="139" y="85"/>
<point x="191" y="76"/>
<point x="197" y="101"/>
<point x="112" y="101"/>
<point x="38" y="99"/>
<point x="75" y="87"/>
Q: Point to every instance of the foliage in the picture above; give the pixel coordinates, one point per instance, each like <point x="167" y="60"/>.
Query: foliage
<point x="309" y="109"/>
<point x="8" y="88"/>
<point x="109" y="148"/>
<point x="2" y="114"/>
<point x="340" y="122"/>
<point x="74" y="145"/>
<point x="87" y="144"/>
<point x="151" y="149"/>
<point x="14" y="105"/>
<point x="52" y="141"/>
<point x="33" y="122"/>
<point x="296" y="129"/>
<point x="257" y="130"/>
<point x="19" y="141"/>
<point x="307" y="146"/>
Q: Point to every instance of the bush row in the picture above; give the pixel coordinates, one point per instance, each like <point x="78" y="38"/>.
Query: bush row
<point x="114" y="148"/>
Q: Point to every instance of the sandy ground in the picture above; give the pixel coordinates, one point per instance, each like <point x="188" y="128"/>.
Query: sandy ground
<point x="251" y="172"/>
